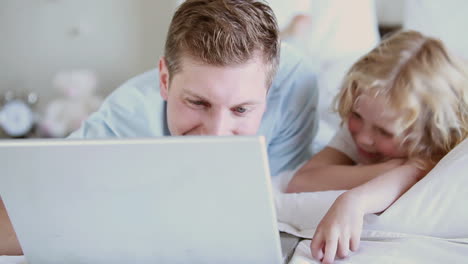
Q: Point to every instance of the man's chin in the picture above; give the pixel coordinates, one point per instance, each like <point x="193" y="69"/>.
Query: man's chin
<point x="192" y="133"/>
<point x="185" y="133"/>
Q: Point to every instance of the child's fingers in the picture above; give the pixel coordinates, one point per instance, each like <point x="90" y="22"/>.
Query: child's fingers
<point x="330" y="250"/>
<point x="354" y="242"/>
<point x="320" y="253"/>
<point x="316" y="247"/>
<point x="343" y="247"/>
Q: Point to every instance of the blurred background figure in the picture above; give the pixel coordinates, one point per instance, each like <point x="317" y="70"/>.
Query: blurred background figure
<point x="332" y="35"/>
<point x="329" y="29"/>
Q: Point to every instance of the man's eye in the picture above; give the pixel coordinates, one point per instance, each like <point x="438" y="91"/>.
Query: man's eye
<point x="197" y="102"/>
<point x="240" y="109"/>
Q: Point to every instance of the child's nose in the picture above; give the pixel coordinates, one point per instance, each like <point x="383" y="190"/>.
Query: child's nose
<point x="364" y="138"/>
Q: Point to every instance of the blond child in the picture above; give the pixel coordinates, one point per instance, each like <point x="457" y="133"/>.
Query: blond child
<point x="403" y="107"/>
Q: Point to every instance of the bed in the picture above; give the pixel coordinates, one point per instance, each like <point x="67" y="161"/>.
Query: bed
<point x="428" y="224"/>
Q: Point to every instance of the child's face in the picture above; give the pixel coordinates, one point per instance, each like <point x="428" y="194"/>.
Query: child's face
<point x="372" y="127"/>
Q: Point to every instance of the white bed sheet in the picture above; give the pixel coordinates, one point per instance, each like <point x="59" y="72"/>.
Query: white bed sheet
<point x="383" y="249"/>
<point x="12" y="260"/>
<point x="395" y="250"/>
<point x="428" y="224"/>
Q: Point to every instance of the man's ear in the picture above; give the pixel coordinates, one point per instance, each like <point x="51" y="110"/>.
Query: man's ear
<point x="163" y="78"/>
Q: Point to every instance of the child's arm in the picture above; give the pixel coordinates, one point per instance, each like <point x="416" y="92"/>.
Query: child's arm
<point x="331" y="169"/>
<point x="9" y="244"/>
<point x="340" y="229"/>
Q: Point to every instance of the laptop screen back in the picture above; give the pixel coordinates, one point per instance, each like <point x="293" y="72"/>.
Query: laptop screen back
<point x="163" y="200"/>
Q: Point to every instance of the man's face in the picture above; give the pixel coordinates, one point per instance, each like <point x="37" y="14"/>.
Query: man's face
<point x="210" y="100"/>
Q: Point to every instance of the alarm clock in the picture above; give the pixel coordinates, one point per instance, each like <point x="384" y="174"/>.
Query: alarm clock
<point x="16" y="118"/>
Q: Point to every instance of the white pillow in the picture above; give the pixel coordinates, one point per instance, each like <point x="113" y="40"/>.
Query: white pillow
<point x="302" y="211"/>
<point x="435" y="206"/>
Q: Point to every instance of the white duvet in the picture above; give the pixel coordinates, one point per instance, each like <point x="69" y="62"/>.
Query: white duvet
<point x="428" y="224"/>
<point x="396" y="250"/>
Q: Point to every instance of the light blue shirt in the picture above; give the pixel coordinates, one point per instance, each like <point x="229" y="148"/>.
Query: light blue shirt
<point x="289" y="124"/>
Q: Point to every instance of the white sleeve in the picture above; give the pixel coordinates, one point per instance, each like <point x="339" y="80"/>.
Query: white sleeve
<point x="343" y="142"/>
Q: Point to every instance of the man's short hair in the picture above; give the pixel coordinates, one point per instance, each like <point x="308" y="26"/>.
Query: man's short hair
<point x="223" y="33"/>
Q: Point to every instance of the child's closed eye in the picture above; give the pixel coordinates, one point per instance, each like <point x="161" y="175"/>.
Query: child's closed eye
<point x="385" y="133"/>
<point x="356" y="115"/>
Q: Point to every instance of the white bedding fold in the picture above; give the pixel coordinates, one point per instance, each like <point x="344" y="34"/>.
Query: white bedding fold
<point x="435" y="206"/>
<point x="395" y="250"/>
<point x="428" y="224"/>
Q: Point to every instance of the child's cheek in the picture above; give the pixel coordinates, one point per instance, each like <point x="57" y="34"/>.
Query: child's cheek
<point x="353" y="125"/>
<point x="390" y="149"/>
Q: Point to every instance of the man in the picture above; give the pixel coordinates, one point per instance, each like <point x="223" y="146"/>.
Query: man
<point x="218" y="76"/>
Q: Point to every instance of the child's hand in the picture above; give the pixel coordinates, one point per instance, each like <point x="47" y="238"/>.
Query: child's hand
<point x="339" y="231"/>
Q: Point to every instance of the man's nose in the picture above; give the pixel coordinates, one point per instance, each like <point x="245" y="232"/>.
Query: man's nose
<point x="219" y="124"/>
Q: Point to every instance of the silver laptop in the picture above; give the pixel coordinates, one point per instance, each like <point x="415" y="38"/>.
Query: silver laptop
<point x="163" y="200"/>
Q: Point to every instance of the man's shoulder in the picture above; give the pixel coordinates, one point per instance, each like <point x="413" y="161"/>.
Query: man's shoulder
<point x="137" y="90"/>
<point x="135" y="109"/>
<point x="290" y="55"/>
<point x="292" y="68"/>
<point x="143" y="82"/>
<point x="294" y="78"/>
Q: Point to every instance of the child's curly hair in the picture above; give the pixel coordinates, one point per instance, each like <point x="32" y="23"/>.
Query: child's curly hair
<point x="422" y="82"/>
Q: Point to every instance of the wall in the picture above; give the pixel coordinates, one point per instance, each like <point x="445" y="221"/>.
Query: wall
<point x="116" y="38"/>
<point x="390" y="12"/>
